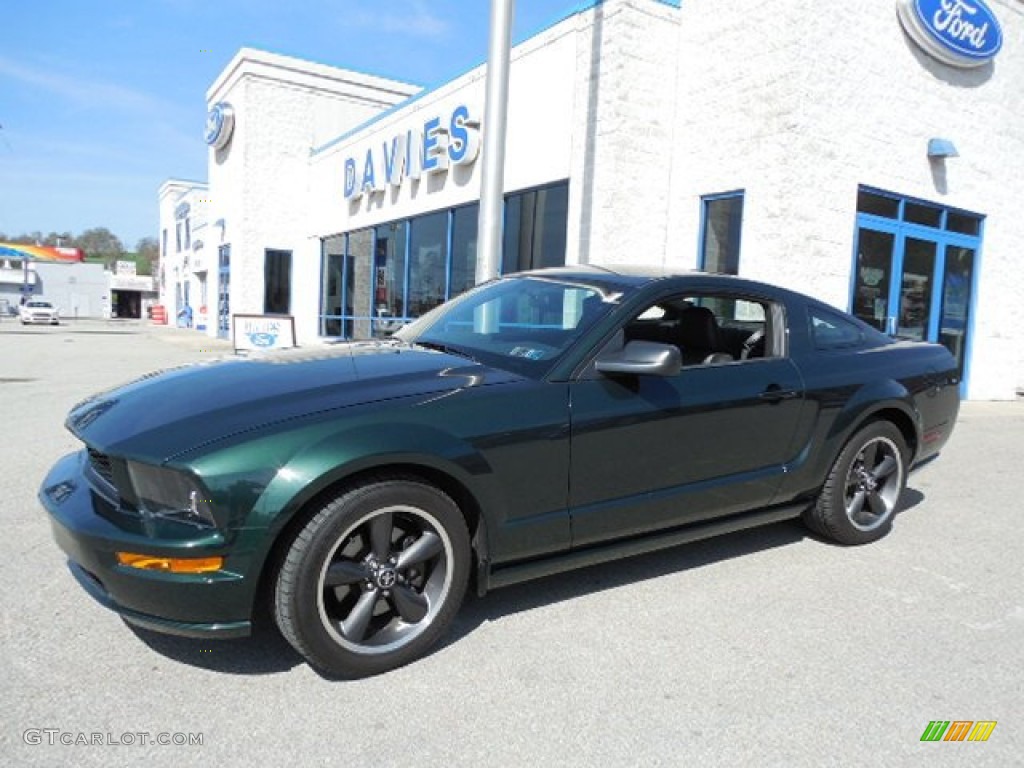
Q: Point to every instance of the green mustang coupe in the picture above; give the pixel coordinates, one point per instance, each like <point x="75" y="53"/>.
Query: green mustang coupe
<point x="540" y="422"/>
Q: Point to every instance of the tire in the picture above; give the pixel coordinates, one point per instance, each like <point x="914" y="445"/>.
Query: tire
<point x="860" y="497"/>
<point x="374" y="578"/>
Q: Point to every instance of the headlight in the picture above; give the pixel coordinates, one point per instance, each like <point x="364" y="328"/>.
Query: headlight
<point x="167" y="493"/>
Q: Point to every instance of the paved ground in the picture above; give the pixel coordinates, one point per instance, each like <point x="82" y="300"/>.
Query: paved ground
<point x="764" y="648"/>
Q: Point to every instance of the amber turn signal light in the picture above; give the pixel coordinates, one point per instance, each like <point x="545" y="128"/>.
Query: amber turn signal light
<point x="170" y="564"/>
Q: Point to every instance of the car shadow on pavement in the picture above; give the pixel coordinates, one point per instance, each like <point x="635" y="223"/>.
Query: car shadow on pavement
<point x="264" y="652"/>
<point x="267" y="652"/>
<point x="619" y="573"/>
<point x="598" y="578"/>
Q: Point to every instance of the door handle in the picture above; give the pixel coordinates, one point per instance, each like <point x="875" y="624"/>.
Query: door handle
<point x="774" y="393"/>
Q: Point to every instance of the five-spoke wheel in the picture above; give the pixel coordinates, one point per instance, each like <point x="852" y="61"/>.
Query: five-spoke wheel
<point x="374" y="578"/>
<point x="863" y="489"/>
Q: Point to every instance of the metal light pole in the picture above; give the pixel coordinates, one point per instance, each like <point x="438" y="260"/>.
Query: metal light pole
<point x="492" y="181"/>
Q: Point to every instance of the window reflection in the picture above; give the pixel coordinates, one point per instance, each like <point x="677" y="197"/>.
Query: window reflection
<point x="389" y="277"/>
<point x="535" y="224"/>
<point x="428" y="258"/>
<point x="376" y="279"/>
<point x="464" y="229"/>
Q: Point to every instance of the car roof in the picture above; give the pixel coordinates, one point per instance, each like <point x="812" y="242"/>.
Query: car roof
<point x="635" y="276"/>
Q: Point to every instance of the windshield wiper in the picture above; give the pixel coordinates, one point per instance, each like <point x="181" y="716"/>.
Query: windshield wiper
<point x="448" y="349"/>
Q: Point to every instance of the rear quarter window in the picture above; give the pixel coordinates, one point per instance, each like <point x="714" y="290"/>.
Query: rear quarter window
<point x="833" y="331"/>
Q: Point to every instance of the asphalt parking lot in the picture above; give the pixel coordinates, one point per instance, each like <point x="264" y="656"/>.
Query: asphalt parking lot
<point x="765" y="648"/>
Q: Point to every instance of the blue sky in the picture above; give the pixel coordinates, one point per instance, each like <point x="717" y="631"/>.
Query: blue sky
<point x="101" y="101"/>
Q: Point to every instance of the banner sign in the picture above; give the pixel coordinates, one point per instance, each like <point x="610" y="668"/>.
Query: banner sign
<point x="263" y="331"/>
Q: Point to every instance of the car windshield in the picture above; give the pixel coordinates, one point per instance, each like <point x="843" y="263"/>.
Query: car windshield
<point x="522" y="323"/>
<point x="44" y="304"/>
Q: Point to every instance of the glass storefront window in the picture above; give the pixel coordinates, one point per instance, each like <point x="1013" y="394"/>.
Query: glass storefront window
<point x="428" y="262"/>
<point x="277" y="282"/>
<point x="374" y="280"/>
<point x="535" y="223"/>
<point x="879" y="205"/>
<point x="954" y="321"/>
<point x="331" y="286"/>
<point x="964" y="223"/>
<point x="464" y="229"/>
<point x="928" y="215"/>
<point x="389" y="249"/>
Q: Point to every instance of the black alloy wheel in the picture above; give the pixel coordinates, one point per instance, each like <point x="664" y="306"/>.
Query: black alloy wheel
<point x="374" y="578"/>
<point x="863" y="489"/>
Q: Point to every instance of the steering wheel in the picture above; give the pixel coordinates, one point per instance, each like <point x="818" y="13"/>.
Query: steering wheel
<point x="753" y="341"/>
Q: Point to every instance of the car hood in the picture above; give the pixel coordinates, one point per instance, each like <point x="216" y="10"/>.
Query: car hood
<point x="169" y="412"/>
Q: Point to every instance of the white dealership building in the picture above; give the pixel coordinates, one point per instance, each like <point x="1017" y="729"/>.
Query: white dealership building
<point x="870" y="154"/>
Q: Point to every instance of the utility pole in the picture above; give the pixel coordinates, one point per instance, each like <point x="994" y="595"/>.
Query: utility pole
<point x="492" y="181"/>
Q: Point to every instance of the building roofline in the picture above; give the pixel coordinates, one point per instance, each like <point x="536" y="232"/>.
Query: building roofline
<point x="574" y="10"/>
<point x="181" y="185"/>
<point x="293" y="69"/>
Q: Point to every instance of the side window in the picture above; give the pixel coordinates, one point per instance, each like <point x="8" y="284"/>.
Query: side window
<point x="709" y="329"/>
<point x="831" y="331"/>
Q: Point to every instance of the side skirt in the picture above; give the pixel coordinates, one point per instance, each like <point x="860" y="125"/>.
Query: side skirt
<point x="573" y="559"/>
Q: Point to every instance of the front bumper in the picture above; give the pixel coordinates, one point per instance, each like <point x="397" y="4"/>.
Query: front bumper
<point x="216" y="604"/>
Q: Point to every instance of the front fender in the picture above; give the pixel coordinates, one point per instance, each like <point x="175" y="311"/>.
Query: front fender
<point x="323" y="464"/>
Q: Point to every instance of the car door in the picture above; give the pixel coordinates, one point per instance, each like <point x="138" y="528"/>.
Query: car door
<point x="652" y="452"/>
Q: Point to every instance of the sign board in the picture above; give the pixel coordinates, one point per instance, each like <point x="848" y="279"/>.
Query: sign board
<point x="125" y="268"/>
<point x="263" y="331"/>
<point x="961" y="33"/>
<point x="427" y="148"/>
<point x="220" y="123"/>
<point x="141" y="283"/>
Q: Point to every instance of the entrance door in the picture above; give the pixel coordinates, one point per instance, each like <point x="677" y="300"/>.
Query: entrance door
<point x="894" y="283"/>
<point x="224" y="291"/>
<point x="914" y="271"/>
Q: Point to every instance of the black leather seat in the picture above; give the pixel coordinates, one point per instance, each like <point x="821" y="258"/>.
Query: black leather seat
<point x="696" y="335"/>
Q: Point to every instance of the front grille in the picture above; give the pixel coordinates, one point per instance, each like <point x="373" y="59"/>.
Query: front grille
<point x="100" y="463"/>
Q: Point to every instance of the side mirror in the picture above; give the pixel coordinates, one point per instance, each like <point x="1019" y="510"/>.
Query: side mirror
<point x="641" y="358"/>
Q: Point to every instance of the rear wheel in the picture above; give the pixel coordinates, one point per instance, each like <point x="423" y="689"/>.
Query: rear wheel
<point x="863" y="489"/>
<point x="374" y="578"/>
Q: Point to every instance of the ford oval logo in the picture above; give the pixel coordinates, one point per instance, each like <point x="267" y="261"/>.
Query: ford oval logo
<point x="262" y="339"/>
<point x="962" y="33"/>
<point x="220" y="121"/>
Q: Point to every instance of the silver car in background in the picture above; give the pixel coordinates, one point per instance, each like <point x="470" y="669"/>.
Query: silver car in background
<point x="39" y="311"/>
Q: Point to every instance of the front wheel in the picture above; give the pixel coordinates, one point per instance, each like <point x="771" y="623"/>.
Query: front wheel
<point x="374" y="578"/>
<point x="859" y="498"/>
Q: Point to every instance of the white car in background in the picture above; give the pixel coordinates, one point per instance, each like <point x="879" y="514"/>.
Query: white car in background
<point x="39" y="311"/>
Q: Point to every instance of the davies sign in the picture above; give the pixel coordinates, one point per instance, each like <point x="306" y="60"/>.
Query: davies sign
<point x="961" y="33"/>
<point x="429" y="148"/>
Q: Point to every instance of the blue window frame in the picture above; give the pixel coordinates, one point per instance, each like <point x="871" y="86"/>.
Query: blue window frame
<point x="721" y="224"/>
<point x="915" y="266"/>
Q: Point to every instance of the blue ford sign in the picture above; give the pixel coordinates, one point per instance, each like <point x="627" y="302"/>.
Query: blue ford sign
<point x="220" y="121"/>
<point x="961" y="33"/>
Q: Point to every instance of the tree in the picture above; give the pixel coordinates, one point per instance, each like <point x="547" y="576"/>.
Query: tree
<point x="147" y="255"/>
<point x="62" y="239"/>
<point x="102" y="243"/>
